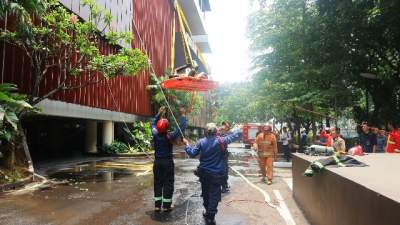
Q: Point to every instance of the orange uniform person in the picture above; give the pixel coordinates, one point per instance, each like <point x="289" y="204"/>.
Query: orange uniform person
<point x="267" y="148"/>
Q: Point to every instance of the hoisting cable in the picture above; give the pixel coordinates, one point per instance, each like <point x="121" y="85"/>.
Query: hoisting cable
<point x="162" y="91"/>
<point x="123" y="120"/>
<point x="173" y="42"/>
<point x="185" y="44"/>
<point x="168" y="105"/>
<point x="158" y="82"/>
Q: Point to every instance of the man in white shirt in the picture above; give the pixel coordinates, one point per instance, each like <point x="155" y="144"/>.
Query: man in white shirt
<point x="285" y="139"/>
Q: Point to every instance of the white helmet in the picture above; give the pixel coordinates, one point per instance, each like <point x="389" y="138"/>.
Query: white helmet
<point x="211" y="129"/>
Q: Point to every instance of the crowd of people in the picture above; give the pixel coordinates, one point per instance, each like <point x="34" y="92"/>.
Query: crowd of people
<point x="213" y="168"/>
<point x="332" y="138"/>
<point x="371" y="139"/>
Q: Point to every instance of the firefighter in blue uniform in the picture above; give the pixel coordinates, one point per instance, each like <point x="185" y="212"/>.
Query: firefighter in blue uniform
<point x="212" y="166"/>
<point x="223" y="131"/>
<point x="163" y="167"/>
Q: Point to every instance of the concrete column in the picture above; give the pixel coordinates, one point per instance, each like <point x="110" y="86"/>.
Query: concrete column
<point x="108" y="132"/>
<point x="91" y="137"/>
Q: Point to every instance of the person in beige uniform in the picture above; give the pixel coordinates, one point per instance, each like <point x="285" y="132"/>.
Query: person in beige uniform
<point x="267" y="149"/>
<point x="338" y="142"/>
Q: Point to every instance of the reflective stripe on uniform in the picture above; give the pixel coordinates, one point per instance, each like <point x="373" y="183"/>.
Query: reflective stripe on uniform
<point x="309" y="172"/>
<point x="167" y="200"/>
<point x="337" y="160"/>
<point x="158" y="198"/>
<point x="319" y="165"/>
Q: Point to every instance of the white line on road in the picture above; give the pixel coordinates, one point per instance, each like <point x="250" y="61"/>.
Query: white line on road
<point x="266" y="196"/>
<point x="289" y="182"/>
<point x="283" y="209"/>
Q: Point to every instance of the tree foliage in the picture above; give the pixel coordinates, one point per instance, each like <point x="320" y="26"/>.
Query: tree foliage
<point x="141" y="136"/>
<point x="238" y="103"/>
<point x="310" y="54"/>
<point x="54" y="39"/>
<point x="12" y="139"/>
<point x="192" y="101"/>
<point x="11" y="104"/>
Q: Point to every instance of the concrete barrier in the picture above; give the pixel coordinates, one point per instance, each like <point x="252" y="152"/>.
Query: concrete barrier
<point x="350" y="195"/>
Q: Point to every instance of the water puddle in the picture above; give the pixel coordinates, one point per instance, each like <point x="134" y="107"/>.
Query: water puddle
<point x="101" y="171"/>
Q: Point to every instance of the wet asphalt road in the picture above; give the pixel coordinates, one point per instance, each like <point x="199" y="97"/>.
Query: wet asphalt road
<point x="120" y="191"/>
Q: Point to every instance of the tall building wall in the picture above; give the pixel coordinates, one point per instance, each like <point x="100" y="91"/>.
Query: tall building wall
<point x="152" y="21"/>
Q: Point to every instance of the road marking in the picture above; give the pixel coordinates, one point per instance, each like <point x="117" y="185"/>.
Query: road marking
<point x="283" y="209"/>
<point x="266" y="196"/>
<point x="289" y="182"/>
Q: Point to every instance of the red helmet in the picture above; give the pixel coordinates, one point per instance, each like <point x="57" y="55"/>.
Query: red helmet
<point x="162" y="125"/>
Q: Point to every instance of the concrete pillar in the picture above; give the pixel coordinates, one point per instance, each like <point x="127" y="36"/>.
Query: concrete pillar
<point x="91" y="137"/>
<point x="108" y="132"/>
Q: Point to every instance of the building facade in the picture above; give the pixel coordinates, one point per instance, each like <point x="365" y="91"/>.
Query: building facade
<point x="96" y="109"/>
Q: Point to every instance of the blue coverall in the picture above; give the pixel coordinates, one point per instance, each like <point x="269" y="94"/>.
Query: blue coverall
<point x="225" y="185"/>
<point x="212" y="168"/>
<point x="163" y="167"/>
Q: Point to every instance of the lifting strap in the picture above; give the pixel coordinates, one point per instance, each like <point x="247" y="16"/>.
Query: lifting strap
<point x="182" y="25"/>
<point x="173" y="42"/>
<point x="156" y="78"/>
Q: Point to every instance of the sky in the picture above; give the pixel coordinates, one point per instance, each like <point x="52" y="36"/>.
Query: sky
<point x="226" y="27"/>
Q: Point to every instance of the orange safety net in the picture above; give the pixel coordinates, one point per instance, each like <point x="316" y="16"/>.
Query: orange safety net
<point x="189" y="84"/>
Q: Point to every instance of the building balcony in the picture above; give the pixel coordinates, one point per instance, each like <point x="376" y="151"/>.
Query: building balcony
<point x="195" y="13"/>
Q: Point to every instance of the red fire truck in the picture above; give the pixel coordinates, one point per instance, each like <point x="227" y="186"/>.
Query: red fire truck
<point x="250" y="131"/>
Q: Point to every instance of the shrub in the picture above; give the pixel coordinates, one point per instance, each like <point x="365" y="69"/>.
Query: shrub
<point x="115" y="148"/>
<point x="140" y="136"/>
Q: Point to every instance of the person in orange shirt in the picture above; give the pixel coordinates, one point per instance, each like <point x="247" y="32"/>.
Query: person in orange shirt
<point x="327" y="135"/>
<point x="393" y="141"/>
<point x="267" y="149"/>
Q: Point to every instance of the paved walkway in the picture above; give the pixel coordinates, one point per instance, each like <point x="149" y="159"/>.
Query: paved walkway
<point x="119" y="191"/>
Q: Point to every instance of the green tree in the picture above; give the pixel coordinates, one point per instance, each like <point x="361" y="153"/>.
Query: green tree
<point x="239" y="103"/>
<point x="11" y="134"/>
<point x="369" y="35"/>
<point x="310" y="54"/>
<point x="192" y="101"/>
<point x="54" y="39"/>
<point x="11" y="104"/>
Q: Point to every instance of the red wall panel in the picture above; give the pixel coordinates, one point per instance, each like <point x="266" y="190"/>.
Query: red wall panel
<point x="154" y="24"/>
